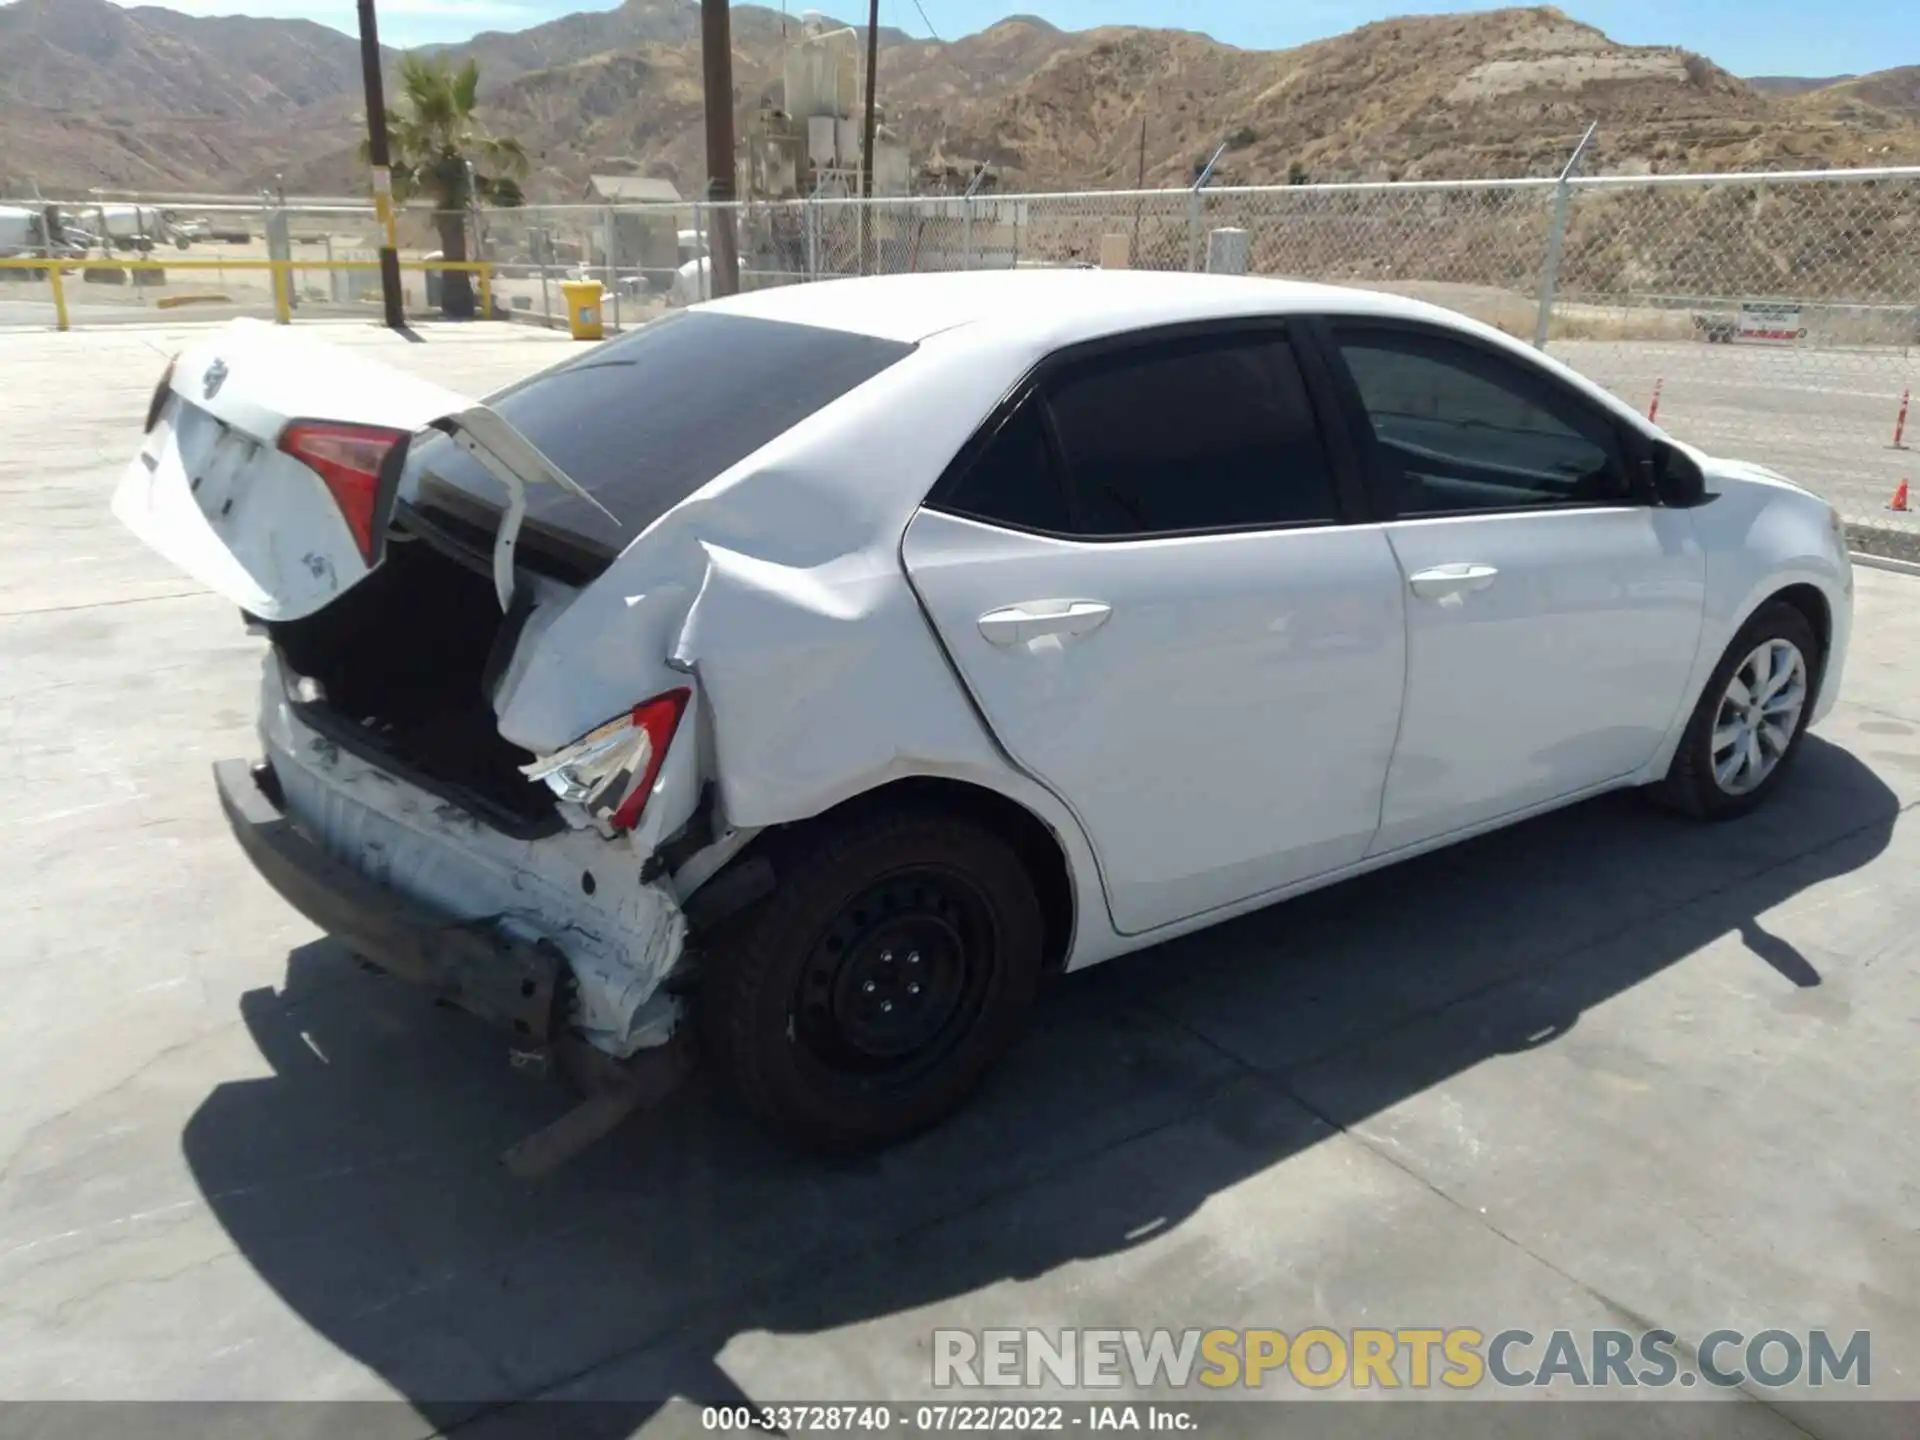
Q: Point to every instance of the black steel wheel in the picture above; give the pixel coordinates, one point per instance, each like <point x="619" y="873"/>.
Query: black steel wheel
<point x="864" y="999"/>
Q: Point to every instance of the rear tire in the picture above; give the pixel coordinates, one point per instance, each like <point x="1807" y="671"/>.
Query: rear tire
<point x="1743" y="736"/>
<point x="864" y="1000"/>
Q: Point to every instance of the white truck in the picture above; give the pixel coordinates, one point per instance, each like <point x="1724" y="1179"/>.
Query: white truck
<point x="133" y="227"/>
<point x="1755" y="320"/>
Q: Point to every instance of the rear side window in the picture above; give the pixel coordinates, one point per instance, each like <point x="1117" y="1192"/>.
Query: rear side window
<point x="645" y="420"/>
<point x="1015" y="481"/>
<point x="1204" y="435"/>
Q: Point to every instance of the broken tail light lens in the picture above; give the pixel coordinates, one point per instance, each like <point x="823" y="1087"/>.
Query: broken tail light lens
<point x="347" y="458"/>
<point x="610" y="771"/>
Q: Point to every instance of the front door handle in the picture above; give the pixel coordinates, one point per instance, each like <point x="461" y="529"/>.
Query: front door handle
<point x="1444" y="582"/>
<point x="1017" y="624"/>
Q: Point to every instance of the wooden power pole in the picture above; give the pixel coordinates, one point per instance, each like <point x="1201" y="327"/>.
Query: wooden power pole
<point x="716" y="56"/>
<point x="873" y="75"/>
<point x="868" y="132"/>
<point x="393" y="301"/>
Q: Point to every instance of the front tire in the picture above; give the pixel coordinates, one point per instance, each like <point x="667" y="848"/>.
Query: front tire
<point x="1750" y="720"/>
<point x="865" y="999"/>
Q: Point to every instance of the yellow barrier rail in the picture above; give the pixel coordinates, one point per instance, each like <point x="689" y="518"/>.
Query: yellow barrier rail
<point x="282" y="271"/>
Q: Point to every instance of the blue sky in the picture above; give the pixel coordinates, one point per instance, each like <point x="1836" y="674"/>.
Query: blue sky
<point x="1748" y="37"/>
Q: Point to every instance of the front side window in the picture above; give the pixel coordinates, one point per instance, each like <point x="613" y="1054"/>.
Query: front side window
<point x="1457" y="429"/>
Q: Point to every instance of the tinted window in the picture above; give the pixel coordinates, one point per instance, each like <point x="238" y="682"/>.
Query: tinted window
<point x="1191" y="437"/>
<point x="1459" y="429"/>
<point x="645" y="420"/>
<point x="1014" y="481"/>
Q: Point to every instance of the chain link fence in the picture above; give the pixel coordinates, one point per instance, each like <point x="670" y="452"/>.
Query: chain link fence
<point x="1773" y="318"/>
<point x="178" y="258"/>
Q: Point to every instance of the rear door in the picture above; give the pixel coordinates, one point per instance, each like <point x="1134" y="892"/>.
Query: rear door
<point x="1553" y="609"/>
<point x="1147" y="575"/>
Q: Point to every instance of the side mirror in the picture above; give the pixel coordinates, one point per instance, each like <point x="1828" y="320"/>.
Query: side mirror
<point x="1679" y="482"/>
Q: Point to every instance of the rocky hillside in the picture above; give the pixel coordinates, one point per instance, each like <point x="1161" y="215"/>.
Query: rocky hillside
<point x="91" y="94"/>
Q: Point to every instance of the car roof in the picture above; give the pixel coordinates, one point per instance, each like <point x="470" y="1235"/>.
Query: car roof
<point x="1053" y="307"/>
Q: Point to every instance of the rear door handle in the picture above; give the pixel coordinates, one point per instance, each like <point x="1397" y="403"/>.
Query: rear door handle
<point x="1444" y="582"/>
<point x="1017" y="624"/>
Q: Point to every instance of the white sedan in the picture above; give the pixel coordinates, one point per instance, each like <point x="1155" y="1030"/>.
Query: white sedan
<point x="828" y="664"/>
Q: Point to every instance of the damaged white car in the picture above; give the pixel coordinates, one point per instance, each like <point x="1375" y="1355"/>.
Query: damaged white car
<point x="827" y="664"/>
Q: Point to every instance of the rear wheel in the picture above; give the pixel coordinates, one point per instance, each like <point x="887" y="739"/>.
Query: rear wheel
<point x="864" y="1000"/>
<point x="1750" y="719"/>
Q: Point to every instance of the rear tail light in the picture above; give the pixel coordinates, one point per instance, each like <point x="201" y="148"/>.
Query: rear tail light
<point x="611" y="770"/>
<point x="347" y="458"/>
<point x="160" y="394"/>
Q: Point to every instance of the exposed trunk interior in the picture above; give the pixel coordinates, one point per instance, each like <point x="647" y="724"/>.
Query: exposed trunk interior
<point x="402" y="659"/>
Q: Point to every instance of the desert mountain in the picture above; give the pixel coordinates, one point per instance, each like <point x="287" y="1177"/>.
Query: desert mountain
<point x="92" y="94"/>
<point x="1895" y="92"/>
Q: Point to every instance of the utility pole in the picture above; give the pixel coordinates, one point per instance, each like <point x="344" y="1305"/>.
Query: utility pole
<point x="393" y="302"/>
<point x="716" y="56"/>
<point x="869" y="130"/>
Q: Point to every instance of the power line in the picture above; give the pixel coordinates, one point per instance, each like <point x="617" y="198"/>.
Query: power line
<point x="926" y="22"/>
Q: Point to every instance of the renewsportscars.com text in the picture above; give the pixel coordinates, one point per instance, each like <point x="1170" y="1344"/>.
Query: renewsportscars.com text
<point x="1459" y="1358"/>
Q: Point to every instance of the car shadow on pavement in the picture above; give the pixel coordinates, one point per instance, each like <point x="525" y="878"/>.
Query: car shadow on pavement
<point x="360" y="1179"/>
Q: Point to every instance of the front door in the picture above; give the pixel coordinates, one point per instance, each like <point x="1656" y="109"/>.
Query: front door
<point x="1147" y="580"/>
<point x="1553" y="611"/>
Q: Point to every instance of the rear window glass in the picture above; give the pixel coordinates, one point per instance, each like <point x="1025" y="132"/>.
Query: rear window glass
<point x="645" y="420"/>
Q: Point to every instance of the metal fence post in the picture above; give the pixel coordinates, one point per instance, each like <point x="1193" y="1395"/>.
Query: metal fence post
<point x="966" y="216"/>
<point x="613" y="271"/>
<point x="813" y="234"/>
<point x="1557" y="239"/>
<point x="1196" y="207"/>
<point x="544" y="253"/>
<point x="702" y="262"/>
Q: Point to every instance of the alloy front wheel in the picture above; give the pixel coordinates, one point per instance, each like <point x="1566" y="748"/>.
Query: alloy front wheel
<point x="1759" y="715"/>
<point x="1750" y="719"/>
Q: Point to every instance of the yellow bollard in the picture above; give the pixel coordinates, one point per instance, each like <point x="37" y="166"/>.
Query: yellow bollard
<point x="59" y="297"/>
<point x="282" y="312"/>
<point x="486" y="291"/>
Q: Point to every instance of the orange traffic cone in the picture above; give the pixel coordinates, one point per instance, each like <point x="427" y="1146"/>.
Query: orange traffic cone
<point x="1899" y="501"/>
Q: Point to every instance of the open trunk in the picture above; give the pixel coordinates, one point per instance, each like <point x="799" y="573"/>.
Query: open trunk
<point x="399" y="670"/>
<point x="397" y="540"/>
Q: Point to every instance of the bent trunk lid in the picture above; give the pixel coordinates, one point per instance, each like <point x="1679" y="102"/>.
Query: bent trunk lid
<point x="211" y="491"/>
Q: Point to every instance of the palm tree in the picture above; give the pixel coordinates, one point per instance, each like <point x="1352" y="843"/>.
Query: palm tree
<point x="438" y="150"/>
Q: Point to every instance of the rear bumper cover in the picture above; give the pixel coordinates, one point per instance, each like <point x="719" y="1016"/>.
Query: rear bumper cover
<point x="479" y="968"/>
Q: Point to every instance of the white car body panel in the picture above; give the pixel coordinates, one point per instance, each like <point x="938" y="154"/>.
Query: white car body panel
<point x="1223" y="732"/>
<point x="210" y="492"/>
<point x="1762" y="534"/>
<point x="1560" y="672"/>
<point x="803" y="595"/>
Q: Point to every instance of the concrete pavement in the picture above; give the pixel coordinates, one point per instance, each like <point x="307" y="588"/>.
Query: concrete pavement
<point x="1606" y="1070"/>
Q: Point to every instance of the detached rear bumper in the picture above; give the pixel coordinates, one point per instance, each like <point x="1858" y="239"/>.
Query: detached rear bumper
<point x="481" y="969"/>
